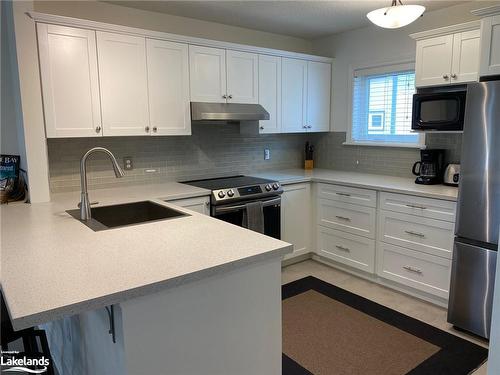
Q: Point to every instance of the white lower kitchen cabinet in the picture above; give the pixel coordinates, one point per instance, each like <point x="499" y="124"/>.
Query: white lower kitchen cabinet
<point x="354" y="251"/>
<point x="296" y="216"/>
<point x="351" y="218"/>
<point x="424" y="272"/>
<point x="198" y="204"/>
<point x="430" y="236"/>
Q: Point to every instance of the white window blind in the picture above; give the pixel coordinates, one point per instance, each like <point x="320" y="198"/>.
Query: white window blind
<point x="381" y="108"/>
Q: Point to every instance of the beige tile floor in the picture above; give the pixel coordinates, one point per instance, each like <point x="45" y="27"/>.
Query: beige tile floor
<point x="408" y="305"/>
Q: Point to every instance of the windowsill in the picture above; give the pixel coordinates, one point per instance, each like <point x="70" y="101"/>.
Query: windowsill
<point x="380" y="144"/>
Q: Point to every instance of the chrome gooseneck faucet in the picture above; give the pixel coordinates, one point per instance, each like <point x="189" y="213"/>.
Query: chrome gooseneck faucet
<point x="85" y="214"/>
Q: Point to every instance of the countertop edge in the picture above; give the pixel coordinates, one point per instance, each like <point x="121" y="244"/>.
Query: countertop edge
<point x="303" y="179"/>
<point x="122" y="296"/>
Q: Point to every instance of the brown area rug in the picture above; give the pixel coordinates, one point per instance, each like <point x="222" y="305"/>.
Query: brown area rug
<point x="328" y="330"/>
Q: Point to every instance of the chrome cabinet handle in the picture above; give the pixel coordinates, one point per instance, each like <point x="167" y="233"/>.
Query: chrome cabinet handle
<point x="454" y="76"/>
<point x="413" y="269"/>
<point x="229" y="96"/>
<point x="343" y="248"/>
<point x="207" y="203"/>
<point x="261" y="128"/>
<point x="146" y="129"/>
<point x="155" y="129"/>
<point x="343" y="218"/>
<point x="309" y="126"/>
<point x="416" y="206"/>
<point x="344" y="194"/>
<point x="417" y="234"/>
<point x="224" y="96"/>
<point x="98" y="129"/>
<point x="445" y="76"/>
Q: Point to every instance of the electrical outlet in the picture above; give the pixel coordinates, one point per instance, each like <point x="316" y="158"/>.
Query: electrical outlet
<point x="128" y="163"/>
<point x="267" y="154"/>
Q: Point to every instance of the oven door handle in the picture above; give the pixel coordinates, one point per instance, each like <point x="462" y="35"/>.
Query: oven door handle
<point x="222" y="209"/>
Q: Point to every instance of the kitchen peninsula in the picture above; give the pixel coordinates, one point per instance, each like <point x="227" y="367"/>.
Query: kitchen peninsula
<point x="190" y="282"/>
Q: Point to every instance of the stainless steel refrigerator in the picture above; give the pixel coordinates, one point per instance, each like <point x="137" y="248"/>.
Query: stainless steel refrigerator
<point x="478" y="214"/>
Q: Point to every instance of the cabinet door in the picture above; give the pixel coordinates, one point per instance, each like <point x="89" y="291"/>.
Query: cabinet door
<point x="490" y="46"/>
<point x="123" y="77"/>
<point x="293" y="95"/>
<point x="465" y="65"/>
<point x="319" y="77"/>
<point x="242" y="77"/>
<point x="168" y="85"/>
<point x="270" y="92"/>
<point x="433" y="61"/>
<point x="296" y="217"/>
<point x="207" y="68"/>
<point x="70" y="83"/>
<point x="199" y="204"/>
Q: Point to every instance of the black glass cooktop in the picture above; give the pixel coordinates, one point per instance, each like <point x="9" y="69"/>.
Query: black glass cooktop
<point x="227" y="182"/>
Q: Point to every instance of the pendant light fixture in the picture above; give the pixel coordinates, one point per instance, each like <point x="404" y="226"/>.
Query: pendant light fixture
<point x="395" y="16"/>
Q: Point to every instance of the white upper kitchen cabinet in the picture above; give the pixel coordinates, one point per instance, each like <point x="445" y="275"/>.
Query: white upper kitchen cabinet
<point x="207" y="67"/>
<point x="242" y="77"/>
<point x="465" y="63"/>
<point x="270" y="93"/>
<point x="70" y="82"/>
<point x="449" y="55"/>
<point x="433" y="61"/>
<point x="168" y="86"/>
<point x="123" y="77"/>
<point x="490" y="45"/>
<point x="294" y="95"/>
<point x="319" y="76"/>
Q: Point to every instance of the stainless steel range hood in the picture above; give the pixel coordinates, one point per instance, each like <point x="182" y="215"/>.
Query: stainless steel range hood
<point x="227" y="112"/>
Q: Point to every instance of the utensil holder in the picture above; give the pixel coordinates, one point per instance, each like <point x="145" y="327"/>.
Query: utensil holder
<point x="308" y="164"/>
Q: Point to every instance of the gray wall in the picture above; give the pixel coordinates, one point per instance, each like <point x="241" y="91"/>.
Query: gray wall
<point x="211" y="150"/>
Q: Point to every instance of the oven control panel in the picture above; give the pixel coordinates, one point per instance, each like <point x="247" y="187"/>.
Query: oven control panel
<point x="246" y="192"/>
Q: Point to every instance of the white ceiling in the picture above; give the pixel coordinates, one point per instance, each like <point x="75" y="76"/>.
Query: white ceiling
<point x="304" y="19"/>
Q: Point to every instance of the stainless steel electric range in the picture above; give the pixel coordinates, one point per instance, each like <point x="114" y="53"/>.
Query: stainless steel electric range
<point x="231" y="194"/>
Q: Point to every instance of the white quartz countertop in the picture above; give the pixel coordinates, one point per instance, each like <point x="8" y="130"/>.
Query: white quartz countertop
<point x="53" y="265"/>
<point x="392" y="184"/>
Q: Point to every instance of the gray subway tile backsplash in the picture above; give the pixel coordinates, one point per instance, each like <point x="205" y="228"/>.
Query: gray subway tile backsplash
<point x="218" y="150"/>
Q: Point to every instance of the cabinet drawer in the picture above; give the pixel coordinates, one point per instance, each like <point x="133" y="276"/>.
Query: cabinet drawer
<point x="347" y="217"/>
<point x="425" y="272"/>
<point x="348" y="194"/>
<point x="428" y="235"/>
<point x="355" y="251"/>
<point x="419" y="206"/>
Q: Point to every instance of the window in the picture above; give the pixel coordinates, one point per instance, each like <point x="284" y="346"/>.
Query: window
<point x="381" y="107"/>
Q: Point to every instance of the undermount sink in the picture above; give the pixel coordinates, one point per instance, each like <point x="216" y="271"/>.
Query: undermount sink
<point x="120" y="215"/>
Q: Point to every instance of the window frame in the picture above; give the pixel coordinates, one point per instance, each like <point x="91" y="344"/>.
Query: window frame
<point x="381" y="68"/>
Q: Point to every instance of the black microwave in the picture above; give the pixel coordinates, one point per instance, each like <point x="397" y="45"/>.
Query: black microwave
<point x="438" y="110"/>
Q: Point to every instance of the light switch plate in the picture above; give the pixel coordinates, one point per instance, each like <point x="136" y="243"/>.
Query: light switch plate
<point x="267" y="154"/>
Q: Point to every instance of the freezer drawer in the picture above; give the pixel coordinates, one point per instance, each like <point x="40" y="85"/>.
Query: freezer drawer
<point x="471" y="288"/>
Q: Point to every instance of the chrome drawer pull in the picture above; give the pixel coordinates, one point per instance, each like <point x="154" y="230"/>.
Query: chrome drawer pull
<point x="421" y="235"/>
<point x="416" y="206"/>
<point x="344" y="194"/>
<point x="412" y="269"/>
<point x="343" y="248"/>
<point x="342" y="218"/>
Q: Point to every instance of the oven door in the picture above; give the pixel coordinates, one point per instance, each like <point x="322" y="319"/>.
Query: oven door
<point x="444" y="111"/>
<point x="233" y="213"/>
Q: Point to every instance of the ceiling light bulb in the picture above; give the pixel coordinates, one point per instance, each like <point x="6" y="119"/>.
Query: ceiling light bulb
<point x="396" y="15"/>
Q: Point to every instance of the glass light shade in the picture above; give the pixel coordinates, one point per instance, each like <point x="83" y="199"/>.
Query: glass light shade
<point x="395" y="16"/>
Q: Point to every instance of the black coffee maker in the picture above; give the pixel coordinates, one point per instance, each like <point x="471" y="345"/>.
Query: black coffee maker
<point x="430" y="167"/>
